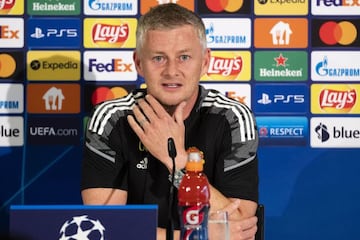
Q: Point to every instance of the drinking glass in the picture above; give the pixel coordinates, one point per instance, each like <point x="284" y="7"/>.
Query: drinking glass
<point x="218" y="226"/>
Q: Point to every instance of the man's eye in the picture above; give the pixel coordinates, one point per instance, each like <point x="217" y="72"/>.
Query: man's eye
<point x="158" y="58"/>
<point x="184" y="57"/>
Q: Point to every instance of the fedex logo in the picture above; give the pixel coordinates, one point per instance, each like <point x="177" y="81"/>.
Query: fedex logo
<point x="109" y="65"/>
<point x="116" y="65"/>
<point x="236" y="91"/>
<point x="11" y="32"/>
<point x="337" y="2"/>
<point x="7" y="33"/>
<point x="335" y="7"/>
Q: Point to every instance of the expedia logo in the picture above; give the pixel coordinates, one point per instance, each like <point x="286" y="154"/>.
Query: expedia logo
<point x="335" y="33"/>
<point x="109" y="33"/>
<point x="219" y="6"/>
<point x="53" y="65"/>
<point x="229" y="66"/>
<point x="335" y="98"/>
<point x="281" y="7"/>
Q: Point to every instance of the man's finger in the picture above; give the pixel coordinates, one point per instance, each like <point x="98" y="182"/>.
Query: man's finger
<point x="232" y="207"/>
<point x="156" y="106"/>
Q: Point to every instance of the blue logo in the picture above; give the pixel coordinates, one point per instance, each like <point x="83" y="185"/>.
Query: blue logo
<point x="281" y="98"/>
<point x="283" y="130"/>
<point x="54" y="33"/>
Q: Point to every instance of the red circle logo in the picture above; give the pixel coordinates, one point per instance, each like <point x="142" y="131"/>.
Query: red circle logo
<point x="343" y="33"/>
<point x="224" y="5"/>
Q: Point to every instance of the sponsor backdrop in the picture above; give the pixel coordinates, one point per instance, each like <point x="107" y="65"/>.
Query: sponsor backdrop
<point x="295" y="62"/>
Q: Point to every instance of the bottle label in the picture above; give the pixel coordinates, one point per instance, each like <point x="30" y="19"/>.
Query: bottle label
<point x="194" y="220"/>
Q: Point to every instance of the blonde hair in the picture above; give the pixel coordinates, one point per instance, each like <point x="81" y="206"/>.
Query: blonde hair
<point x="168" y="16"/>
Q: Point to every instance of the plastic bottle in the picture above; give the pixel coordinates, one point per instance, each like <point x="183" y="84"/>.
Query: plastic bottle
<point x="193" y="198"/>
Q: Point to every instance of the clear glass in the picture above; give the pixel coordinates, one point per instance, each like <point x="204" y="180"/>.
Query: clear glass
<point x="218" y="226"/>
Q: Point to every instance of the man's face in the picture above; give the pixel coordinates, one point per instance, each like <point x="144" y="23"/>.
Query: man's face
<point x="172" y="63"/>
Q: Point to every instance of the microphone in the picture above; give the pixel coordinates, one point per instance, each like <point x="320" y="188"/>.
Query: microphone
<point x="171" y="149"/>
<point x="172" y="154"/>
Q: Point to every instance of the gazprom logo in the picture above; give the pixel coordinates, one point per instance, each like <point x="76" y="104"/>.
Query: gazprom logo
<point x="220" y="33"/>
<point x="111" y="7"/>
<point x="335" y="65"/>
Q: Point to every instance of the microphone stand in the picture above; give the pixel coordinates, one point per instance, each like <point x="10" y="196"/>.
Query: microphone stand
<point x="172" y="155"/>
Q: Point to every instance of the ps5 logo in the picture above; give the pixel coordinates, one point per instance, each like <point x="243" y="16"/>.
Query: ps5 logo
<point x="281" y="98"/>
<point x="53" y="32"/>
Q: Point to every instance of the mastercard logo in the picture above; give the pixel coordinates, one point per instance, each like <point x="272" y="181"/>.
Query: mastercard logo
<point x="7" y="65"/>
<point x="224" y="5"/>
<point x="343" y="33"/>
<point x="104" y="93"/>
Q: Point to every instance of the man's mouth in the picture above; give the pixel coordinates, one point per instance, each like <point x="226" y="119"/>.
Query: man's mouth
<point x="171" y="85"/>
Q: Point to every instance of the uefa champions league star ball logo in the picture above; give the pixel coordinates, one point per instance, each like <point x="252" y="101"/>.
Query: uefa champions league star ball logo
<point x="82" y="228"/>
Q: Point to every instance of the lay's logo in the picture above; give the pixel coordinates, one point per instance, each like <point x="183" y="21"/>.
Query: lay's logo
<point x="228" y="66"/>
<point x="109" y="33"/>
<point x="6" y="4"/>
<point x="11" y="7"/>
<point x="335" y="99"/>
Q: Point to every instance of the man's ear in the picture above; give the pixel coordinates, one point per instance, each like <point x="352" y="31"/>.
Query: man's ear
<point x="136" y="59"/>
<point x="206" y="61"/>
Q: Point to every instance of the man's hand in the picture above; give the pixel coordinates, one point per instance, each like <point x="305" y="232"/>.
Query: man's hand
<point x="154" y="126"/>
<point x="240" y="229"/>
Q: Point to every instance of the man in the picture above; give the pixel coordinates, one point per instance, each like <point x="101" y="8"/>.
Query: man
<point x="126" y="159"/>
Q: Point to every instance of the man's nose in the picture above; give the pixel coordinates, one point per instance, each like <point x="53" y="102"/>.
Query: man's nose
<point x="172" y="67"/>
